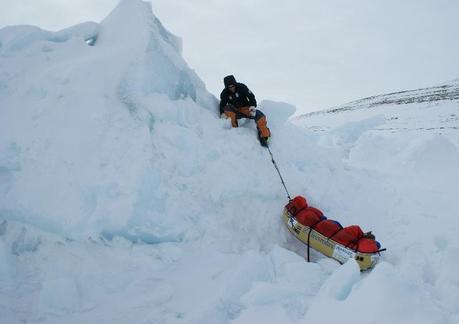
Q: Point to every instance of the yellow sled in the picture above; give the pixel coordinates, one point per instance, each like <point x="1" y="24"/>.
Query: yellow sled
<point x="326" y="245"/>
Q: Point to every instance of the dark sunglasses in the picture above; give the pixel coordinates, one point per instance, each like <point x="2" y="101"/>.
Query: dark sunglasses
<point x="231" y="86"/>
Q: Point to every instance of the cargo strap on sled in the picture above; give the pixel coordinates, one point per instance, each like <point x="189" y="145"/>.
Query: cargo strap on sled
<point x="309" y="236"/>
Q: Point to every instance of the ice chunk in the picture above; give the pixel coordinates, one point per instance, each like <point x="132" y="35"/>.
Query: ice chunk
<point x="251" y="267"/>
<point x="281" y="256"/>
<point x="383" y="286"/>
<point x="350" y="132"/>
<point x="18" y="38"/>
<point x="339" y="285"/>
<point x="277" y="113"/>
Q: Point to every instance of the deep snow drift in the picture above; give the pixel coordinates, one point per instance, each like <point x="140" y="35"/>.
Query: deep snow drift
<point x="125" y="199"/>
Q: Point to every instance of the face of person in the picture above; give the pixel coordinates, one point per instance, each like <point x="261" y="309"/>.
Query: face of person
<point x="232" y="88"/>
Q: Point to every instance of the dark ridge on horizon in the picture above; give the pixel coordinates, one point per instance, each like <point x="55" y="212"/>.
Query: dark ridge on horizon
<point x="443" y="92"/>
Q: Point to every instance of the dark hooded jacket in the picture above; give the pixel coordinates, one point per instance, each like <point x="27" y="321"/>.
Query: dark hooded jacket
<point x="243" y="97"/>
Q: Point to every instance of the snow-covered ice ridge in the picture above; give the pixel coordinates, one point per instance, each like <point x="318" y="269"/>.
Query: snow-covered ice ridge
<point x="80" y="120"/>
<point x="428" y="110"/>
<point x="444" y="92"/>
<point x="125" y="199"/>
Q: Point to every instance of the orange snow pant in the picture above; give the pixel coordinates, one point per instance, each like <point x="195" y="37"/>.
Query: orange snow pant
<point x="237" y="113"/>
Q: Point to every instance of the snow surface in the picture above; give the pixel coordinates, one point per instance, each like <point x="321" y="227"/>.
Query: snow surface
<point x="125" y="199"/>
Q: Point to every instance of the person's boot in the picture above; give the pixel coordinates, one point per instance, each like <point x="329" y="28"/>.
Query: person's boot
<point x="263" y="140"/>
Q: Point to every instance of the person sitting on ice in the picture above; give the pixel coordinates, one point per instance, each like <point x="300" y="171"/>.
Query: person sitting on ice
<point x="237" y="101"/>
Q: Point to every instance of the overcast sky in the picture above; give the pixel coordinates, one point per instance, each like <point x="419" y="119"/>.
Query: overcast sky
<point x="311" y="53"/>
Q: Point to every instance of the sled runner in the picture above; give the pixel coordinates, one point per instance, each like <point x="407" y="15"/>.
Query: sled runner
<point x="310" y="226"/>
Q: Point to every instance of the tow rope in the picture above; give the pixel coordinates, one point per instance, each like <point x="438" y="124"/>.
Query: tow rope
<point x="280" y="176"/>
